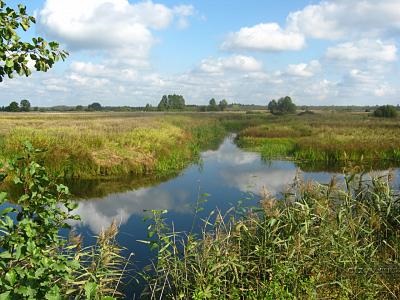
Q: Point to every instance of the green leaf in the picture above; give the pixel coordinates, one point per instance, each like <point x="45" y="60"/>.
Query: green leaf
<point x="9" y="63"/>
<point x="3" y="197"/>
<point x="53" y="294"/>
<point x="90" y="290"/>
<point x="11" y="277"/>
<point x="5" y="296"/>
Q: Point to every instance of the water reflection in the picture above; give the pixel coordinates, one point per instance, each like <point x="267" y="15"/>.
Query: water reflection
<point x="229" y="174"/>
<point x="98" y="213"/>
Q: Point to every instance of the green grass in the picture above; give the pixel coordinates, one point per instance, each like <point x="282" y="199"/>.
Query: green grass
<point x="332" y="138"/>
<point x="110" y="144"/>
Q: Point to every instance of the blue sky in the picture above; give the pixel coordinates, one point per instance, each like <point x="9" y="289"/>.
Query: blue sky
<point x="132" y="52"/>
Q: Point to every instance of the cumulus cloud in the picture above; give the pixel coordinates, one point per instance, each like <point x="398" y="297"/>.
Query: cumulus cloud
<point x="264" y="37"/>
<point x="232" y="63"/>
<point x="343" y="18"/>
<point x="304" y="69"/>
<point x="374" y="50"/>
<point x="118" y="26"/>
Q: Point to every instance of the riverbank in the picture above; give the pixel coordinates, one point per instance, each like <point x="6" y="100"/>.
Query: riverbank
<point x="106" y="145"/>
<point x="327" y="138"/>
<point x="111" y="145"/>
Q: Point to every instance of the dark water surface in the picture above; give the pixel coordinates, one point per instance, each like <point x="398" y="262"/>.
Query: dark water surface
<point x="229" y="175"/>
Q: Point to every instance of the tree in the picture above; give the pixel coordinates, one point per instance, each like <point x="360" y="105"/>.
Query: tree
<point x="15" y="53"/>
<point x="95" y="106"/>
<point x="212" y="105"/>
<point x="13" y="107"/>
<point x="283" y="106"/>
<point x="386" y="111"/>
<point x="171" y="102"/>
<point x="79" y="108"/>
<point x="223" y="104"/>
<point x="163" y="105"/>
<point x="25" y="105"/>
<point x="272" y="106"/>
<point x="176" y="102"/>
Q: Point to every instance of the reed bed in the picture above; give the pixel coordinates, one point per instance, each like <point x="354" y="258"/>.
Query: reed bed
<point x="109" y="144"/>
<point x="327" y="137"/>
<point x="336" y="241"/>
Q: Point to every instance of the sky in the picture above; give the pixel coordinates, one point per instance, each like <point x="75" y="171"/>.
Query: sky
<point x="332" y="52"/>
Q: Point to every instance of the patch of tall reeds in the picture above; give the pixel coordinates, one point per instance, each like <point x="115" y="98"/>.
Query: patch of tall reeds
<point x="334" y="241"/>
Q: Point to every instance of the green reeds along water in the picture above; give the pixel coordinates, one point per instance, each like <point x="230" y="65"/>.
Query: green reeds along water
<point x="110" y="144"/>
<point x="336" y="241"/>
<point x="325" y="137"/>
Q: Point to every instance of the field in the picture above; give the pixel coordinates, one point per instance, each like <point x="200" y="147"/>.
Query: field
<point x="109" y="144"/>
<point x="326" y="139"/>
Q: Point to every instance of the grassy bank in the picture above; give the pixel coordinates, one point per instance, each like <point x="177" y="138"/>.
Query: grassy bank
<point x="109" y="144"/>
<point x="319" y="242"/>
<point x="331" y="138"/>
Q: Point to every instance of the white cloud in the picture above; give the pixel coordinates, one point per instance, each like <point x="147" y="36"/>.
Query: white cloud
<point x="303" y="69"/>
<point x="232" y="63"/>
<point x="374" y="50"/>
<point x="343" y="18"/>
<point x="183" y="12"/>
<point x="384" y="90"/>
<point x="120" y="28"/>
<point x="264" y="37"/>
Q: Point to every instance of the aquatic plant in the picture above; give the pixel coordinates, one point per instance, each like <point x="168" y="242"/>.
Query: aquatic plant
<point x="336" y="241"/>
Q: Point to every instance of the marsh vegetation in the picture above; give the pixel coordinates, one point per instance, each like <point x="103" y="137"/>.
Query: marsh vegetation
<point x="312" y="240"/>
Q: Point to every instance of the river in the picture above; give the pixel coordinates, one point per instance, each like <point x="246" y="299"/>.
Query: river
<point x="229" y="176"/>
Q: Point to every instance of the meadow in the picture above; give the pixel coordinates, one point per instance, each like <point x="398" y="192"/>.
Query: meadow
<point x="326" y="139"/>
<point x="106" y="145"/>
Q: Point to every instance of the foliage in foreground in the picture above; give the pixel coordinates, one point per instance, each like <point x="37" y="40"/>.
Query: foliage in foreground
<point x="35" y="261"/>
<point x="15" y="53"/>
<point x="320" y="241"/>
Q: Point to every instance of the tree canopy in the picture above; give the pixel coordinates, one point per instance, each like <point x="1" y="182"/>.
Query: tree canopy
<point x="25" y="105"/>
<point x="14" y="53"/>
<point x="223" y="104"/>
<point x="386" y="111"/>
<point x="95" y="106"/>
<point x="283" y="106"/>
<point x="171" y="102"/>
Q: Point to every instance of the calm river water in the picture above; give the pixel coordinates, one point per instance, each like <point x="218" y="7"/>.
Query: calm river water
<point x="229" y="175"/>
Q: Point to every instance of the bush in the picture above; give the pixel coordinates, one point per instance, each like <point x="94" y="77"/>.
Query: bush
<point x="35" y="261"/>
<point x="386" y="111"/>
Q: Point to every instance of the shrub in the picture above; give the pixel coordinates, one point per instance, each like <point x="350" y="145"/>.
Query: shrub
<point x="386" y="111"/>
<point x="35" y="261"/>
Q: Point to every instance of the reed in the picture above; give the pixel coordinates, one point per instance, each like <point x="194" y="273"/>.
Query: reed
<point x="326" y="137"/>
<point x="336" y="241"/>
<point x="109" y="144"/>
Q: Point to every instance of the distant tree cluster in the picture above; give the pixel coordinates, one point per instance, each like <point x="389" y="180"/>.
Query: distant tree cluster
<point x="213" y="106"/>
<point x="386" y="111"/>
<point x="283" y="106"/>
<point x="95" y="106"/>
<point x="23" y="106"/>
<point x="171" y="102"/>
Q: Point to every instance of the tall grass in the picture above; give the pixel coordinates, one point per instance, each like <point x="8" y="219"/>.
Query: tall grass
<point x="109" y="145"/>
<point x="329" y="138"/>
<point x="336" y="241"/>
